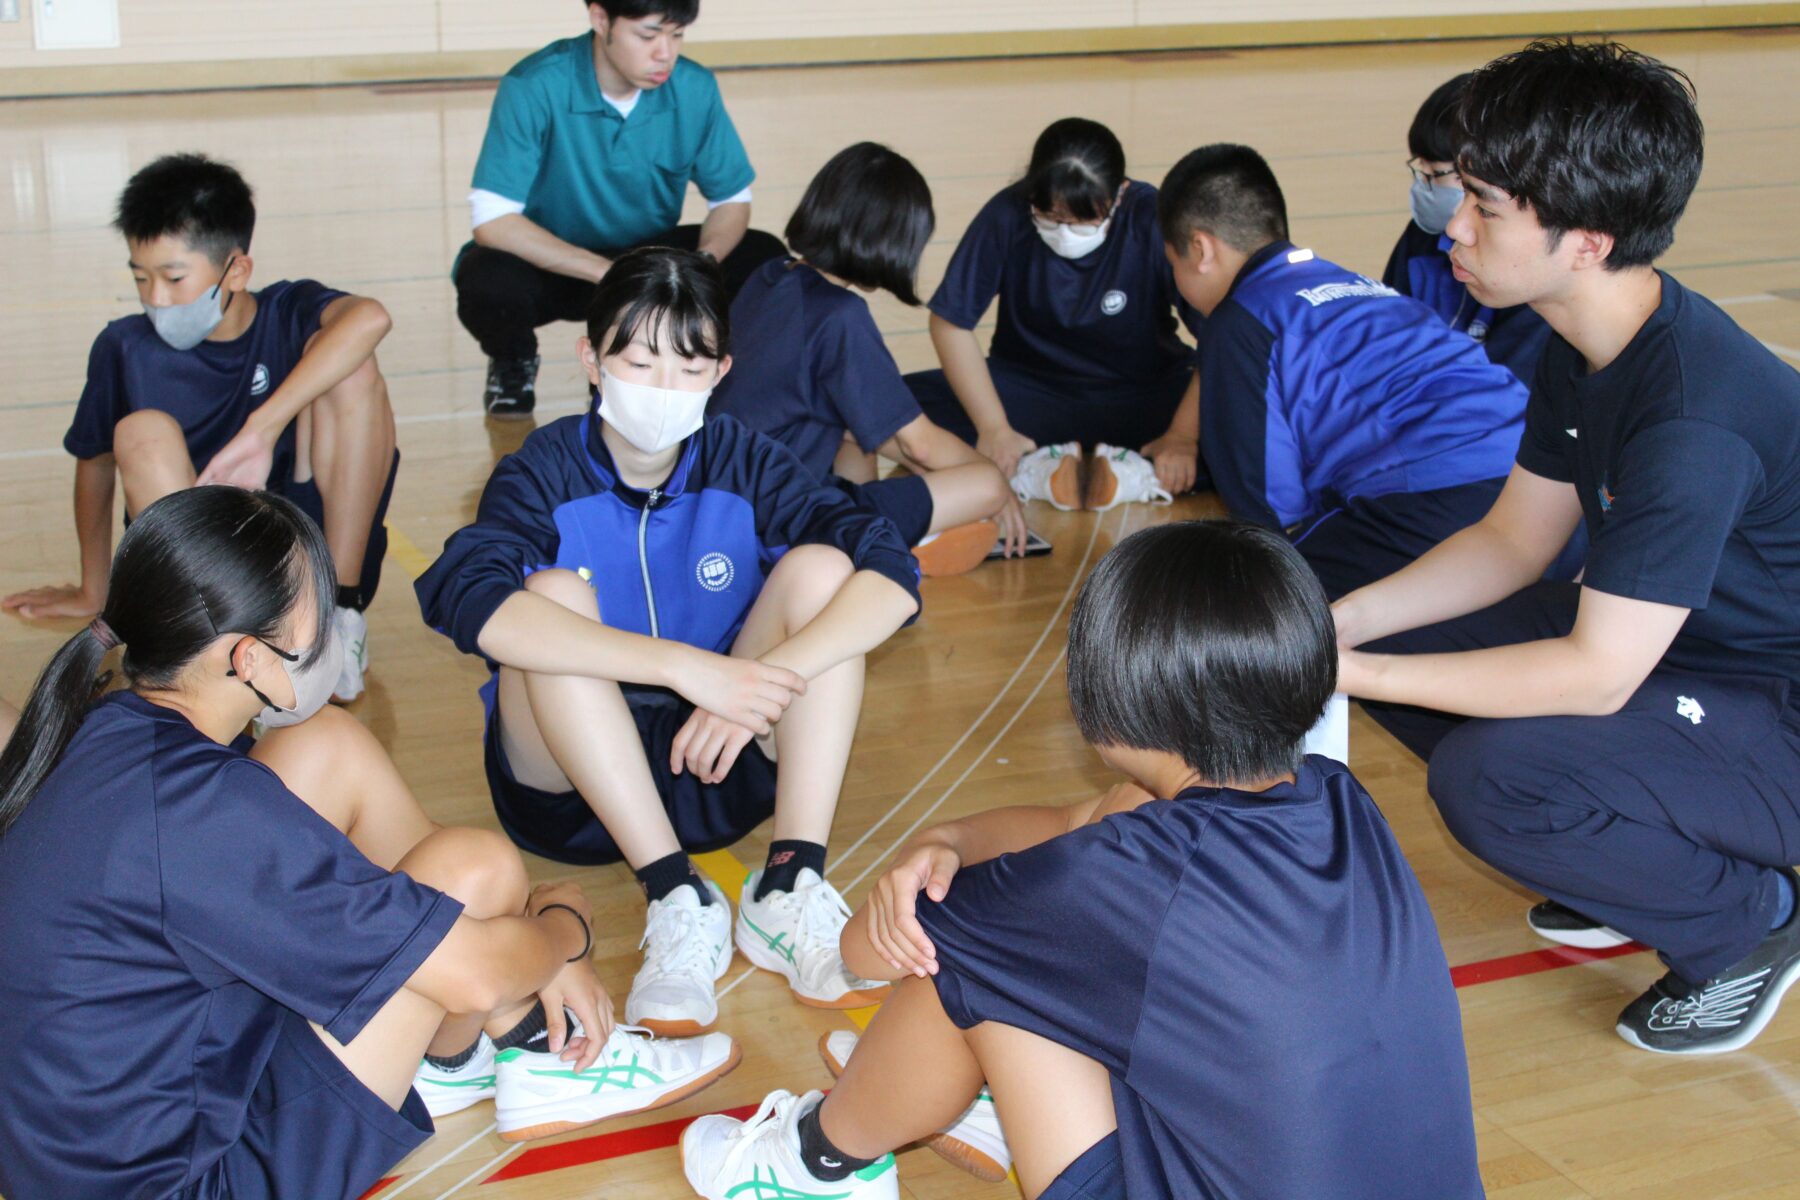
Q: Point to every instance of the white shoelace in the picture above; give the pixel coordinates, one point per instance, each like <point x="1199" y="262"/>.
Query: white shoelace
<point x="676" y="946"/>
<point x="766" y="1121"/>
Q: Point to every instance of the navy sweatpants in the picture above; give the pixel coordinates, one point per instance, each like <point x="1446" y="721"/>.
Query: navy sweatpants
<point x="1672" y="820"/>
<point x="1367" y="538"/>
<point x="1051" y="410"/>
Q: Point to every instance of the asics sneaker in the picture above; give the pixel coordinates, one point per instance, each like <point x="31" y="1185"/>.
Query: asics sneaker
<point x="351" y="628"/>
<point x="1053" y="473"/>
<point x="445" y="1092"/>
<point x="1562" y="924"/>
<point x="725" y="1159"/>
<point x="539" y="1094"/>
<point x="974" y="1141"/>
<point x="795" y="934"/>
<point x="956" y="550"/>
<point x="687" y="947"/>
<point x="1118" y="476"/>
<point x="511" y="391"/>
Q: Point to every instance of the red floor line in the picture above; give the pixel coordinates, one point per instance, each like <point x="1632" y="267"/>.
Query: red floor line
<point x="379" y="1186"/>
<point x="601" y="1147"/>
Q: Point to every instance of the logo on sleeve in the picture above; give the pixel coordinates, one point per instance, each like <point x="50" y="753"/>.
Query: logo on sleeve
<point x="1606" y="499"/>
<point x="715" y="572"/>
<point x="259" y="382"/>
<point x="1687" y="706"/>
<point x="1113" y="303"/>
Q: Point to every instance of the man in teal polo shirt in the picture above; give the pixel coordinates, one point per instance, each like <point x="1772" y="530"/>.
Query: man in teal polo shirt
<point x="590" y="147"/>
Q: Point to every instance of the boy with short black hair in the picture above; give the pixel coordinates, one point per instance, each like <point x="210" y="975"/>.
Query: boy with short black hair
<point x="1335" y="408"/>
<point x="215" y="383"/>
<point x="1235" y="990"/>
<point x="1635" y="755"/>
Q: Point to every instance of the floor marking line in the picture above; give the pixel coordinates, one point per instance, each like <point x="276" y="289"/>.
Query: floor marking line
<point x="1784" y="351"/>
<point x="482" y="1169"/>
<point x="1533" y="962"/>
<point x="403" y="550"/>
<point x="491" y="1126"/>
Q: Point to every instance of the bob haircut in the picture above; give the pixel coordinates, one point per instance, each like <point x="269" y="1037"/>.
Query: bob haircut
<point x="653" y="291"/>
<point x="675" y="12"/>
<point x="1592" y="136"/>
<point x="1209" y="640"/>
<point x="1435" y="135"/>
<point x="200" y="200"/>
<point x="1226" y="190"/>
<point x="1078" y="163"/>
<point x="865" y="218"/>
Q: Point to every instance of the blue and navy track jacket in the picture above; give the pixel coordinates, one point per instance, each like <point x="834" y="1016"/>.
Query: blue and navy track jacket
<point x="1318" y="384"/>
<point x="684" y="561"/>
<point x="1420" y="267"/>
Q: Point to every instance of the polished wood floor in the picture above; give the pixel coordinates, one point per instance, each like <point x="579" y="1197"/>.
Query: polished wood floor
<point x="363" y="188"/>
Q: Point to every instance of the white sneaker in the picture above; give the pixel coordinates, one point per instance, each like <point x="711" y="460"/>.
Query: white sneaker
<point x="974" y="1141"/>
<point x="445" y="1092"/>
<point x="1052" y="473"/>
<point x="539" y="1094"/>
<point x="795" y="934"/>
<point x="687" y="947"/>
<point x="1118" y="476"/>
<point x="351" y="628"/>
<point x="742" y="1160"/>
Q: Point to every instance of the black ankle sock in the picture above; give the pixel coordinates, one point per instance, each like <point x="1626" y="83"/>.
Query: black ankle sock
<point x="786" y="860"/>
<point x="670" y="872"/>
<point x="452" y="1062"/>
<point x="827" y="1163"/>
<point x="350" y="596"/>
<point x="530" y="1026"/>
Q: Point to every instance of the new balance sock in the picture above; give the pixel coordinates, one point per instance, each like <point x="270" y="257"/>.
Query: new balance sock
<point x="1784" y="907"/>
<point x="670" y="872"/>
<point x="786" y="860"/>
<point x="532" y="1025"/>
<point x="454" y="1062"/>
<point x="827" y="1163"/>
<point x="350" y="596"/>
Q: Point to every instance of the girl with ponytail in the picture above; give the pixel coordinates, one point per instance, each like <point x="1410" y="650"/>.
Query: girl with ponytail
<point x="246" y="947"/>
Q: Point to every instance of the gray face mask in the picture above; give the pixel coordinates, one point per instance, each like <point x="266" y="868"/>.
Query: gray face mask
<point x="184" y="326"/>
<point x="1433" y="205"/>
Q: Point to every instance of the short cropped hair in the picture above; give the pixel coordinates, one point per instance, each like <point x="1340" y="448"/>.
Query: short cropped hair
<point x="1592" y="136"/>
<point x="1226" y="190"/>
<point x="655" y="291"/>
<point x="1435" y="135"/>
<point x="675" y="12"/>
<point x="865" y="218"/>
<point x="204" y="202"/>
<point x="1209" y="640"/>
<point x="1078" y="163"/>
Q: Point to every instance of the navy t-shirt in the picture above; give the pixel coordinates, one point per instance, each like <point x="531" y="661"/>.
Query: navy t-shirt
<point x="210" y="389"/>
<point x="1108" y="316"/>
<point x="808" y="364"/>
<point x="164" y="902"/>
<point x="1420" y="267"/>
<point x="1685" y="452"/>
<point x="1259" y="973"/>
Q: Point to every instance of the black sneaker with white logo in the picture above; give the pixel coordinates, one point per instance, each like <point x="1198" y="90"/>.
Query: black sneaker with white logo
<point x="1724" y="1013"/>
<point x="1562" y="924"/>
<point x="511" y="387"/>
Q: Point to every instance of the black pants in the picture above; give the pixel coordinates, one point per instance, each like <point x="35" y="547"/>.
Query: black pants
<point x="501" y="299"/>
<point x="1361" y="540"/>
<point x="1051" y="410"/>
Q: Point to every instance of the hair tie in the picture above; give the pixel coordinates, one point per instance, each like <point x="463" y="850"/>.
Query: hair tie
<point x="103" y="633"/>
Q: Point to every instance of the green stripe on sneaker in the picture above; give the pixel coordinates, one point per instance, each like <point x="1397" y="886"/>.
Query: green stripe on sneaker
<point x="758" y="1188"/>
<point x="775" y="943"/>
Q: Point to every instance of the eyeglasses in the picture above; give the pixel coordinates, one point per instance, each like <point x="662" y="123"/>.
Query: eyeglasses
<point x="1423" y="176"/>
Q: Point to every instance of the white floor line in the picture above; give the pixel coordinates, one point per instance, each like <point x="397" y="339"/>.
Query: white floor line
<point x="1784" y="351"/>
<point x="407" y="1185"/>
<point x="727" y="989"/>
<point x="1074" y="581"/>
<point x="491" y="1165"/>
<point x="1753" y="298"/>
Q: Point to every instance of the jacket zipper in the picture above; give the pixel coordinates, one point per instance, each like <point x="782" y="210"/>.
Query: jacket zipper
<point x="644" y="558"/>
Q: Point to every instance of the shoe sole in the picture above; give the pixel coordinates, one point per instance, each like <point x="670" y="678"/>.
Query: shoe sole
<point x="957" y="550"/>
<point x="954" y="1151"/>
<point x="1742" y="1037"/>
<point x="508" y="416"/>
<point x="1102" y="486"/>
<point x="766" y="960"/>
<point x="1067" y="483"/>
<point x="543" y="1129"/>
<point x="1600" y="937"/>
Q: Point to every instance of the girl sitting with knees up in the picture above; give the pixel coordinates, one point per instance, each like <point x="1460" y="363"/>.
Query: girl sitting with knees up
<point x="244" y="949"/>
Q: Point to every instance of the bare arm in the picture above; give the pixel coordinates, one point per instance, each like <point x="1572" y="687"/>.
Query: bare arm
<point x="965" y="366"/>
<point x="723" y="229"/>
<point x="517" y="234"/>
<point x="924" y="445"/>
<point x="93" y="497"/>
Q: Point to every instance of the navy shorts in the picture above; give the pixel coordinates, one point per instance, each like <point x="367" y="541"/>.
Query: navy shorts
<point x="1051" y="410"/>
<point x="313" y="1129"/>
<point x="1099" y="1174"/>
<point x="903" y="499"/>
<point x="561" y="826"/>
<point x="306" y="497"/>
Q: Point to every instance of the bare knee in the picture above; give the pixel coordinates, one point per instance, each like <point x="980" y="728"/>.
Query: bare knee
<point x="476" y="866"/>
<point x="148" y="433"/>
<point x="807" y="578"/>
<point x="566" y="588"/>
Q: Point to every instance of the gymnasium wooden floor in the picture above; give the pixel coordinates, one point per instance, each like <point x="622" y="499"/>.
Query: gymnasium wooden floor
<point x="363" y="188"/>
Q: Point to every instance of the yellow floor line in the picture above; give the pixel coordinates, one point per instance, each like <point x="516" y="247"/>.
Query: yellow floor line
<point x="404" y="551"/>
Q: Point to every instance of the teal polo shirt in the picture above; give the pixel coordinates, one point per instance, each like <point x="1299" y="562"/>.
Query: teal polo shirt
<point x="594" y="178"/>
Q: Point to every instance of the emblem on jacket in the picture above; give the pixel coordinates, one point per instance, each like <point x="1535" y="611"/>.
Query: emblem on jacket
<point x="715" y="572"/>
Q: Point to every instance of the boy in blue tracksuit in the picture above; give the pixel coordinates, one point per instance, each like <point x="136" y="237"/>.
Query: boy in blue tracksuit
<point x="1512" y="335"/>
<point x="1334" y="407"/>
<point x="670" y="604"/>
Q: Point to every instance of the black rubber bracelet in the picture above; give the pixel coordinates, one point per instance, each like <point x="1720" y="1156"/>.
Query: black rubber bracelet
<point x="586" y="933"/>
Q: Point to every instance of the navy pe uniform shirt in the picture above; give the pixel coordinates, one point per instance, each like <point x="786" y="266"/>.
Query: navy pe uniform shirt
<point x="1259" y="973"/>
<point x="210" y="389"/>
<point x="1685" y="452"/>
<point x="1420" y="267"/>
<point x="1108" y="316"/>
<point x="809" y="365"/>
<point x="164" y="903"/>
<point x="1317" y="384"/>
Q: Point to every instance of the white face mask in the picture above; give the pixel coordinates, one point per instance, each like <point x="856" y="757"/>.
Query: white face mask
<point x="650" y="418"/>
<point x="312" y="685"/>
<point x="1071" y="241"/>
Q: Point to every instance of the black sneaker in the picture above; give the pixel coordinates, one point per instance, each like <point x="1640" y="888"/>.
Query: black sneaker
<point x="1724" y="1013"/>
<point x="1562" y="924"/>
<point x="511" y="387"/>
